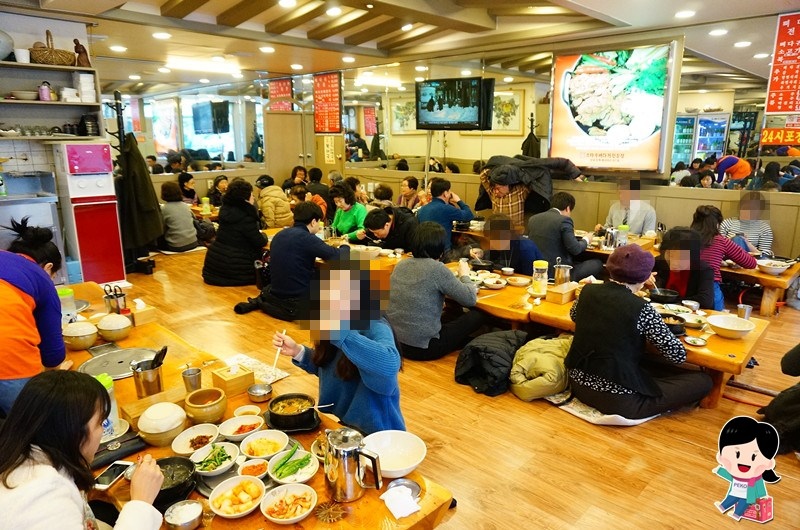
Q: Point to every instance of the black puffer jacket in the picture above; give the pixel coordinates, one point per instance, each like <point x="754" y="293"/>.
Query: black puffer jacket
<point x="239" y="243"/>
<point x="485" y="363"/>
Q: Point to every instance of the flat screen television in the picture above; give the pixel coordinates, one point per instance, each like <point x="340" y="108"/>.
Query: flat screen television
<point x="211" y="117"/>
<point x="449" y="104"/>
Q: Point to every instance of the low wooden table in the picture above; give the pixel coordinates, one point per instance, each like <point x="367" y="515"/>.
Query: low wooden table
<point x="367" y="512"/>
<point x="509" y="303"/>
<point x="774" y="286"/>
<point x="197" y="211"/>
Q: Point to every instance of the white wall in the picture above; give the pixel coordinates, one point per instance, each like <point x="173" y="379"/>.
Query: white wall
<point x="724" y="100"/>
<point x="27" y="30"/>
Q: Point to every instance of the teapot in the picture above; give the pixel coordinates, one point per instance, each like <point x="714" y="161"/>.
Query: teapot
<point x="562" y="272"/>
<point x="344" y="466"/>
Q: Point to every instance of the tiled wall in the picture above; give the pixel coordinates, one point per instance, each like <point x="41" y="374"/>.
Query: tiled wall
<point x="39" y="156"/>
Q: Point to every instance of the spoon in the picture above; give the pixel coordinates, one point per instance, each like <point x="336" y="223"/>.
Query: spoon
<point x="317" y="407"/>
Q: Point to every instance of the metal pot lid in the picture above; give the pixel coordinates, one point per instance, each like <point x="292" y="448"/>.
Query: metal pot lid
<point x="116" y="363"/>
<point x="345" y="439"/>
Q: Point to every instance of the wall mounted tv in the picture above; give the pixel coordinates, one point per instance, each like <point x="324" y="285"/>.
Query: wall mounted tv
<point x="211" y="117"/>
<point x="449" y="104"/>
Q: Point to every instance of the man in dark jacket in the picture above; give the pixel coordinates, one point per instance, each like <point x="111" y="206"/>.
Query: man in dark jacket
<point x="554" y="233"/>
<point x="316" y="187"/>
<point x="391" y="227"/>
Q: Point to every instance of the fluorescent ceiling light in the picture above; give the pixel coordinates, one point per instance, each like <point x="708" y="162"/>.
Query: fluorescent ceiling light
<point x="702" y="91"/>
<point x="204" y="80"/>
<point x="421" y="68"/>
<point x="354" y="102"/>
<point x="684" y="14"/>
<point x="306" y="81"/>
<point x="218" y="59"/>
<point x="179" y="63"/>
<point x="134" y="77"/>
<point x="126" y="96"/>
<point x="407" y="27"/>
<point x="419" y="79"/>
<point x="401" y="88"/>
<point x="287" y="3"/>
<point x="247" y="97"/>
<point x="365" y="90"/>
<point x="508" y="79"/>
<point x="366" y="73"/>
<point x="164" y="70"/>
<point x="334" y="11"/>
<point x="238" y="75"/>
<point x="742" y="44"/>
<point x="296" y="66"/>
<point x="267" y="49"/>
<point x="718" y="32"/>
<point x="117" y="48"/>
<point x="760" y="56"/>
<point x="466" y="72"/>
<point x="161" y="35"/>
<point x="348" y="59"/>
<point x="369" y="6"/>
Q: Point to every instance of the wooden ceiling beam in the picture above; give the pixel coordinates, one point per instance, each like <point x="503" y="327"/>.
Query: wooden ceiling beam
<point x="487" y="3"/>
<point x="296" y="17"/>
<point x="180" y="8"/>
<point x="405" y="38"/>
<point x="522" y="61"/>
<point x="443" y="13"/>
<point x="374" y="32"/>
<point x="243" y="11"/>
<point x="539" y="66"/>
<point x="338" y="25"/>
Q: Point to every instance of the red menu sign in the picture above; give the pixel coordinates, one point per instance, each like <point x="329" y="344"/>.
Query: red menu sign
<point x="370" y="127"/>
<point x="328" y="103"/>
<point x="280" y="92"/>
<point x="783" y="92"/>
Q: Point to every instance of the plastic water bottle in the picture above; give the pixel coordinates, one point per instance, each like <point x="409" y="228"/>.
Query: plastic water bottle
<point x="111" y="423"/>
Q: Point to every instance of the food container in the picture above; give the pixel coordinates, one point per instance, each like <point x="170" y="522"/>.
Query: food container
<point x="691" y="304"/>
<point x="773" y="267"/>
<point x="494" y="283"/>
<point x="675" y="323"/>
<point x="206" y="405"/>
<point x="228" y="485"/>
<point x="202" y="453"/>
<point x="79" y="335"/>
<point x="114" y="327"/>
<point x="279" y="440"/>
<point x="730" y="326"/>
<point x="184" y="515"/>
<point x="292" y="411"/>
<point x="519" y="281"/>
<point x="664" y="296"/>
<point x="507" y="271"/>
<point x="253" y="464"/>
<point x="229" y="427"/>
<point x="273" y="497"/>
<point x="178" y="479"/>
<point x="481" y="265"/>
<point x="400" y="452"/>
<point x="303" y="475"/>
<point x="181" y="445"/>
<point x="247" y="410"/>
<point x="161" y="439"/>
<point x="161" y="417"/>
<point x="259" y="393"/>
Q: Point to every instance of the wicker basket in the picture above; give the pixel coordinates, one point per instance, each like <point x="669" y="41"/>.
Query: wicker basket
<point x="51" y="55"/>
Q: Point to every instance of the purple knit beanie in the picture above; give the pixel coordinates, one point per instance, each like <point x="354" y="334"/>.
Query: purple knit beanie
<point x="630" y="264"/>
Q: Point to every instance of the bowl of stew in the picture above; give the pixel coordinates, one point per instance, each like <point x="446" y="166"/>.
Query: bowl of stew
<point x="291" y="411"/>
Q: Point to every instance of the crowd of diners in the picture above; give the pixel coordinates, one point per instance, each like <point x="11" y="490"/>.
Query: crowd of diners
<point x="360" y="335"/>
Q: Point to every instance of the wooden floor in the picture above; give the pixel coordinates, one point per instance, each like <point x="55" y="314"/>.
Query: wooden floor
<point x="511" y="464"/>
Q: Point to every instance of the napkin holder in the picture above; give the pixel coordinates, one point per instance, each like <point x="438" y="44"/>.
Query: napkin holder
<point x="233" y="381"/>
<point x="561" y="294"/>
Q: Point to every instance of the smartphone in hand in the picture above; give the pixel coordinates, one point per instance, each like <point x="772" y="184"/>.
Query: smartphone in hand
<point x="111" y="474"/>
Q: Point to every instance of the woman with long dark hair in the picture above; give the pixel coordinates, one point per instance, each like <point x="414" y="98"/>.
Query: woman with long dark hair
<point x="355" y="354"/>
<point x="46" y="445"/>
<point x="239" y="241"/>
<point x="680" y="268"/>
<point x="30" y="311"/>
<point x="716" y="247"/>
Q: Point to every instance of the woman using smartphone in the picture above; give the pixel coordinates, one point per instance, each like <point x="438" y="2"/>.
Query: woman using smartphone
<point x="46" y="445"/>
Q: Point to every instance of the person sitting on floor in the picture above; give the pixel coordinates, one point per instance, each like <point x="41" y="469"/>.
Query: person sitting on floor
<point x="680" y="268"/>
<point x="218" y="189"/>
<point x="301" y="194"/>
<point x="349" y="217"/>
<point x="749" y="230"/>
<point x="507" y="248"/>
<point x="606" y="364"/>
<point x="186" y="183"/>
<point x="383" y="196"/>
<point x="239" y="242"/>
<point x="274" y="206"/>
<point x="180" y="233"/>
<point x="389" y="228"/>
<point x="419" y="286"/>
<point x="293" y="255"/>
<point x="444" y="208"/>
<point x="297" y="178"/>
<point x="408" y="193"/>
<point x="630" y="210"/>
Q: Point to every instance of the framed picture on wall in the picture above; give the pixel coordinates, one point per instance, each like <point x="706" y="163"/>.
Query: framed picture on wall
<point x="508" y="112"/>
<point x="403" y="117"/>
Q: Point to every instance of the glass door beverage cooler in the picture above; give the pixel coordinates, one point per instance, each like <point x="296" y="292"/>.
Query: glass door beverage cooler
<point x="84" y="173"/>
<point x="683" y="141"/>
<point x="712" y="134"/>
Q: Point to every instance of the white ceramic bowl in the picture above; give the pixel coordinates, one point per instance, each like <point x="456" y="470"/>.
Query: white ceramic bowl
<point x="27" y="95"/>
<point x="371" y="252"/>
<point x="303" y="475"/>
<point x="247" y="410"/>
<point x="694" y="321"/>
<point x="228" y="427"/>
<point x="494" y="283"/>
<point x="279" y="437"/>
<point x="201" y="454"/>
<point x="181" y="444"/>
<point x="281" y="492"/>
<point x="519" y="281"/>
<point x="386" y="251"/>
<point x="161" y="417"/>
<point x="400" y="451"/>
<point x="773" y="267"/>
<point x="253" y="462"/>
<point x="730" y="326"/>
<point x="228" y="485"/>
<point x="507" y="271"/>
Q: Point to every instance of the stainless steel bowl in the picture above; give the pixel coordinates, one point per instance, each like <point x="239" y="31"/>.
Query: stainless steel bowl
<point x="190" y="524"/>
<point x="259" y="393"/>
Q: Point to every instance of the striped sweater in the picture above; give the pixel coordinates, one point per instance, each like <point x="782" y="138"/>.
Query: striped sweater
<point x="757" y="232"/>
<point x="722" y="248"/>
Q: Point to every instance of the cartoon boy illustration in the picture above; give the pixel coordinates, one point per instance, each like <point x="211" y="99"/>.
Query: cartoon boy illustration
<point x="746" y="457"/>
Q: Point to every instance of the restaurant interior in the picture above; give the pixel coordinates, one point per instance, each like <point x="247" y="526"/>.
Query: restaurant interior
<point x="507" y="463"/>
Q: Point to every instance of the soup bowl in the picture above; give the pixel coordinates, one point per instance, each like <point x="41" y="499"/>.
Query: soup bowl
<point x="291" y="411"/>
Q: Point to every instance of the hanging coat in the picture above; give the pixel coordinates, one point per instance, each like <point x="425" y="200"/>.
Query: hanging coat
<point x="140" y="219"/>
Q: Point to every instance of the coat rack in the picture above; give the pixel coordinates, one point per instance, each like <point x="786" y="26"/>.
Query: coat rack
<point x="117" y="108"/>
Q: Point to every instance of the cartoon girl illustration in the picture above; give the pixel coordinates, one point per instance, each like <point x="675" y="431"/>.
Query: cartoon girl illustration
<point x="746" y="457"/>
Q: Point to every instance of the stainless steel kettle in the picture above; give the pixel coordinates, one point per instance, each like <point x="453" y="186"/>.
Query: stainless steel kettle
<point x="345" y="467"/>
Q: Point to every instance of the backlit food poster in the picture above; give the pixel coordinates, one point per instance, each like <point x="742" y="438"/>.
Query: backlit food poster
<point x="280" y="94"/>
<point x="328" y="103"/>
<point x="783" y="91"/>
<point x="609" y="107"/>
<point x="370" y="125"/>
